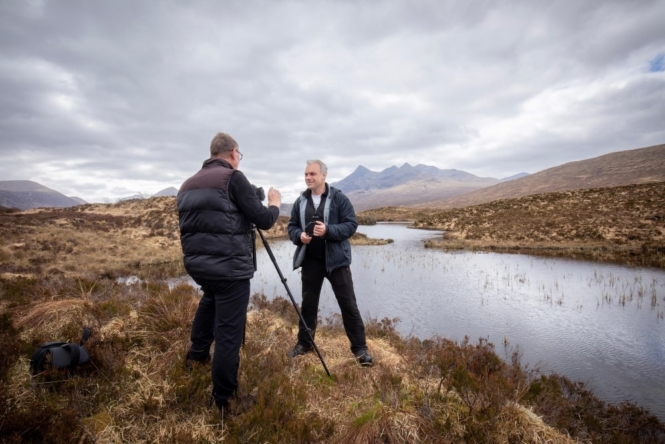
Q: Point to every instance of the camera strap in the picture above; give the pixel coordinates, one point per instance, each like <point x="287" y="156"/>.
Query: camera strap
<point x="319" y="210"/>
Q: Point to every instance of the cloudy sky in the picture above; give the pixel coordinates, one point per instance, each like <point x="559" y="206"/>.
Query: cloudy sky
<point x="102" y="99"/>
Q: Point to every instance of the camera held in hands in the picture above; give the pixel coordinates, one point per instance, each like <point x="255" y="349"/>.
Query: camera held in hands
<point x="309" y="229"/>
<point x="259" y="192"/>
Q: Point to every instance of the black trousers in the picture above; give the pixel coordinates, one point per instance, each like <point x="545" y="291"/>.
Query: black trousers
<point x="312" y="275"/>
<point x="221" y="317"/>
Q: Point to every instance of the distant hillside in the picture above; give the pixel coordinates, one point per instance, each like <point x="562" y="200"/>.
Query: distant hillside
<point x="135" y="196"/>
<point x="78" y="200"/>
<point x="516" y="176"/>
<point x="25" y="195"/>
<point x="166" y="192"/>
<point x="407" y="185"/>
<point x="170" y="191"/>
<point x="638" y="166"/>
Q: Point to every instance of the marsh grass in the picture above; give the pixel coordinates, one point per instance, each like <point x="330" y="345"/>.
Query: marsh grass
<point x="129" y="238"/>
<point x="89" y="241"/>
<point x="135" y="387"/>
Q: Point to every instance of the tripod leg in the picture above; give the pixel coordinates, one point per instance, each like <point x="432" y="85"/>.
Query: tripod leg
<point x="293" y="301"/>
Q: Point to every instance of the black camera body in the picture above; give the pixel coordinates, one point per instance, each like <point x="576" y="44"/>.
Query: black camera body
<point x="309" y="229"/>
<point x="259" y="192"/>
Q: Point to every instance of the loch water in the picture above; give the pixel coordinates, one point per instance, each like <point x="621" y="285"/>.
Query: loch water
<point x="598" y="323"/>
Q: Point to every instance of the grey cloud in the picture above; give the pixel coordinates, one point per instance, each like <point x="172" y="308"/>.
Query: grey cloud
<point x="607" y="127"/>
<point x="97" y="90"/>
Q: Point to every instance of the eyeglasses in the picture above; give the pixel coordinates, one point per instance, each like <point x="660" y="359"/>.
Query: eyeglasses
<point x="239" y="153"/>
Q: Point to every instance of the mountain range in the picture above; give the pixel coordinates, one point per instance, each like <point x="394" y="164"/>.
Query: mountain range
<point x="26" y="195"/>
<point x="426" y="186"/>
<point x="423" y="186"/>
<point x="410" y="185"/>
<point x="166" y="192"/>
<point x="637" y="166"/>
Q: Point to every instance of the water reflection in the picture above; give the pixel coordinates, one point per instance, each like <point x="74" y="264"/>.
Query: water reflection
<point x="598" y="323"/>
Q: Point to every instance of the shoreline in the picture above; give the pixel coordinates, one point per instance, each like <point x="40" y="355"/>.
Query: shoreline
<point x="627" y="255"/>
<point x="623" y="225"/>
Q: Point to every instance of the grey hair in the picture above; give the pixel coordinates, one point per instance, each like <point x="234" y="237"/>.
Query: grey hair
<point x="324" y="168"/>
<point x="222" y="143"/>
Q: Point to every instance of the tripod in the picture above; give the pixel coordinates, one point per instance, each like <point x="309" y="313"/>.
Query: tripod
<point x="293" y="301"/>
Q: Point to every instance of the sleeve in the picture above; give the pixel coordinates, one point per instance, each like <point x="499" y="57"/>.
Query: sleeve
<point x="346" y="223"/>
<point x="294" y="227"/>
<point x="242" y="193"/>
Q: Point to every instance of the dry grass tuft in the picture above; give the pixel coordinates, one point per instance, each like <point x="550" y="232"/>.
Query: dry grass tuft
<point x="51" y="318"/>
<point x="381" y="425"/>
<point x="520" y="424"/>
<point x="169" y="311"/>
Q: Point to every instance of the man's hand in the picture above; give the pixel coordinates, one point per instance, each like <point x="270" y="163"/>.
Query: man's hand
<point x="305" y="238"/>
<point x="320" y="229"/>
<point x="274" y="197"/>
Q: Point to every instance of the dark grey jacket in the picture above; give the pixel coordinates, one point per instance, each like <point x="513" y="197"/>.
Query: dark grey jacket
<point x="340" y="219"/>
<point x="216" y="208"/>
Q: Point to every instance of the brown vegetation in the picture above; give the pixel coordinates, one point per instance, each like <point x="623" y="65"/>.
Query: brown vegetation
<point x="622" y="224"/>
<point x="135" y="387"/>
<point x="126" y="238"/>
<point x="135" y="237"/>
<point x="58" y="267"/>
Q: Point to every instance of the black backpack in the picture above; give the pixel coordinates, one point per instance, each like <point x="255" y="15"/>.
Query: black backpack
<point x="60" y="355"/>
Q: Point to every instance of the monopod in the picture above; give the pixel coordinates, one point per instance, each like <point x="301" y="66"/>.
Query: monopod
<point x="293" y="301"/>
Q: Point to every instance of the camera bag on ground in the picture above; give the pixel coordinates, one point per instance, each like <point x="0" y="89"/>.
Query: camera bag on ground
<point x="60" y="355"/>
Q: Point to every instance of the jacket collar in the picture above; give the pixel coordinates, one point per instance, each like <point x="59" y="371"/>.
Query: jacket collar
<point x="308" y="193"/>
<point x="216" y="162"/>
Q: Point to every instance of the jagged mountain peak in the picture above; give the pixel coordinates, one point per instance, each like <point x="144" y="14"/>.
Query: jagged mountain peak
<point x="363" y="179"/>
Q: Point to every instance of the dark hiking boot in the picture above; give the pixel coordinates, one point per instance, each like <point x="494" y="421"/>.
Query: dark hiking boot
<point x="299" y="350"/>
<point x="244" y="403"/>
<point x="192" y="358"/>
<point x="238" y="405"/>
<point x="363" y="358"/>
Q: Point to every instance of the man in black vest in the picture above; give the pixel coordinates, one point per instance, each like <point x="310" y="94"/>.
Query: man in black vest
<point x="322" y="222"/>
<point x="217" y="207"/>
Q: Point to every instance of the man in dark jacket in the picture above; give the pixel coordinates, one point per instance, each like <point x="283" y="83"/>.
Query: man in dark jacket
<point x="217" y="207"/>
<point x="322" y="221"/>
